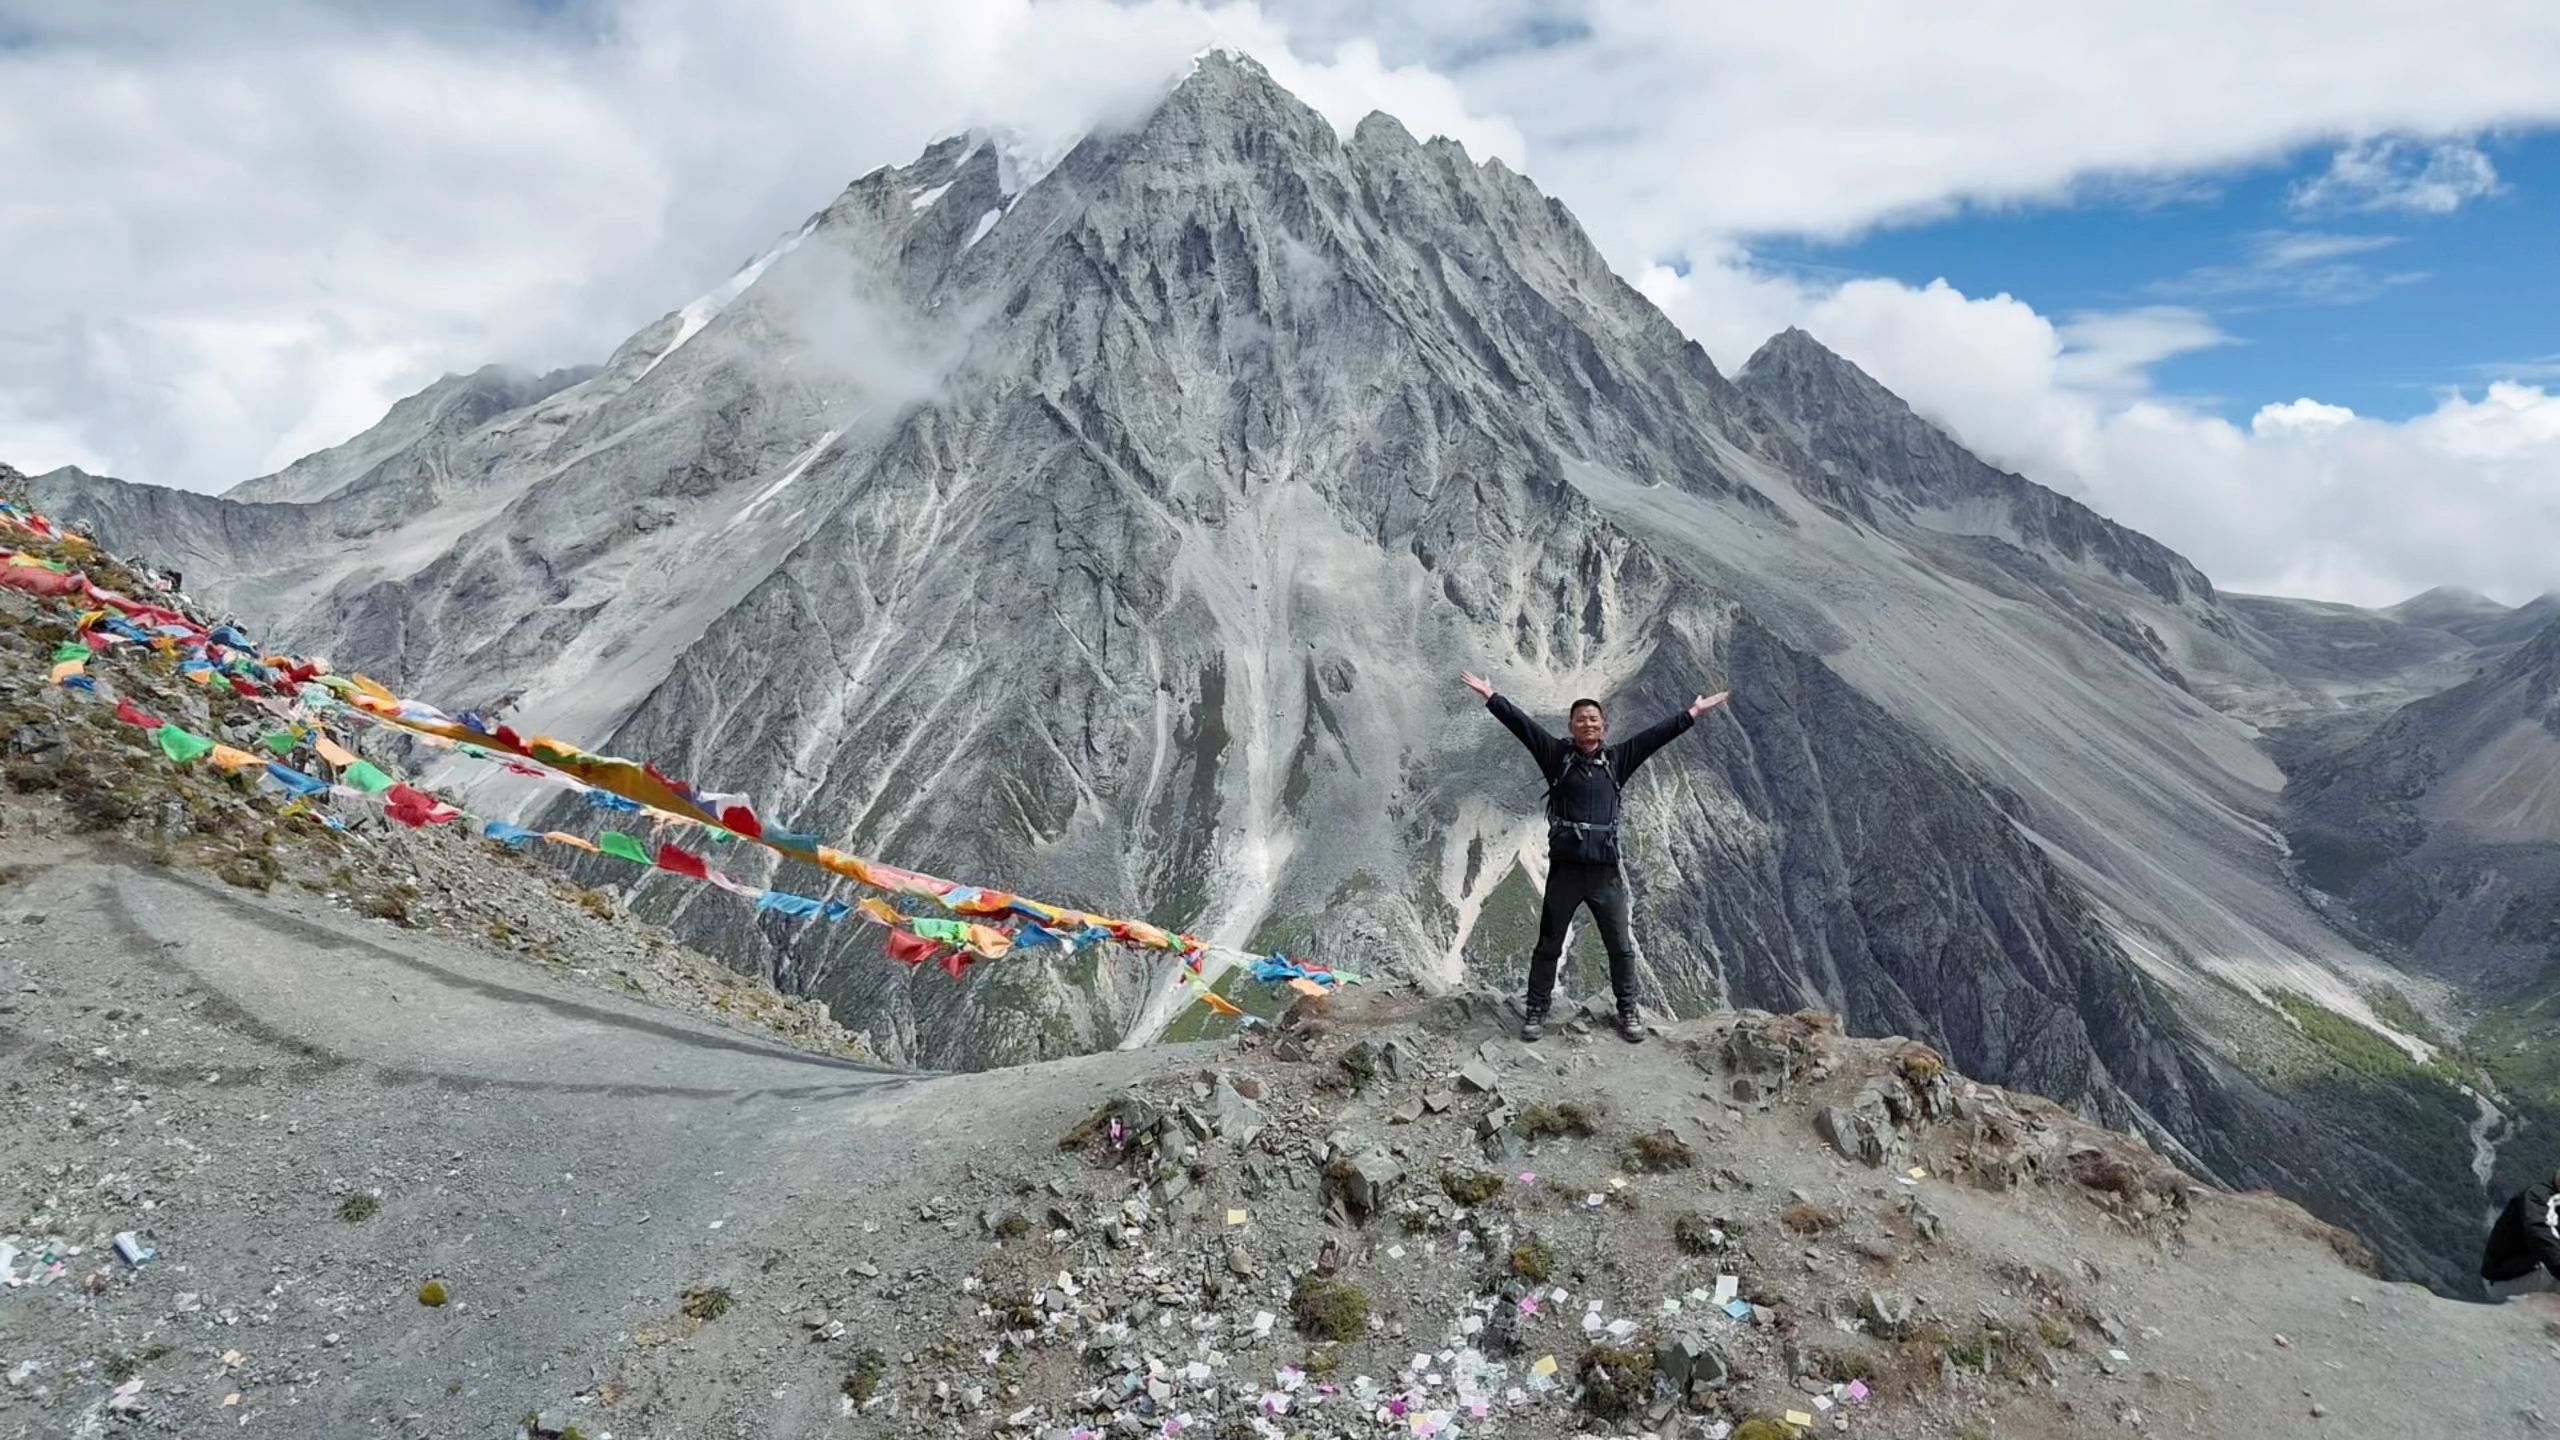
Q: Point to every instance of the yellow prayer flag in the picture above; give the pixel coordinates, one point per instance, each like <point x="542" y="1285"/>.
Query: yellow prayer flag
<point x="1800" y="1419"/>
<point x="1546" y="1366"/>
<point x="1235" y="1217"/>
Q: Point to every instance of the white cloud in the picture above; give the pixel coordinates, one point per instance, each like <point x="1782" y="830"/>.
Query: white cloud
<point x="2309" y="499"/>
<point x="2389" y="174"/>
<point x="2286" y="249"/>
<point x="227" y="240"/>
<point x="231" y="236"/>
<point x="2297" y="417"/>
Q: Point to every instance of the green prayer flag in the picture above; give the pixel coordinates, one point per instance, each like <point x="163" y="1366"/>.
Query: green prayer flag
<point x="281" y="742"/>
<point x="181" y="746"/>
<point x="614" y="842"/>
<point x="70" y="650"/>
<point x="367" y="777"/>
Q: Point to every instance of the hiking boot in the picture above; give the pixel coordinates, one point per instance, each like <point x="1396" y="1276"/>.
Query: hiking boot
<point x="1533" y="1025"/>
<point x="1630" y="1027"/>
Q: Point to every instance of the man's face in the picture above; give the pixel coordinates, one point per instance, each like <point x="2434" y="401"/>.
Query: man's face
<point x="1589" y="727"/>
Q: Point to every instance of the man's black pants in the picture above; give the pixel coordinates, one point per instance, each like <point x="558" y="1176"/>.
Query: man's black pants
<point x="1572" y="884"/>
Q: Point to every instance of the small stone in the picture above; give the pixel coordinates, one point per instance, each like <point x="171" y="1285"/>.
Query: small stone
<point x="2318" y="1410"/>
<point x="1437" y="1101"/>
<point x="1240" y="1264"/>
<point x="1396" y="1058"/>
<point x="1880" y="1251"/>
<point x="1406" y="1113"/>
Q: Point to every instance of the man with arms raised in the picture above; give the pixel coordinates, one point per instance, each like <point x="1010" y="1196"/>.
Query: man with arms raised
<point x="1584" y="775"/>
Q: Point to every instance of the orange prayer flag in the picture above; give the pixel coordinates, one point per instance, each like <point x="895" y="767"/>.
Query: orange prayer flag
<point x="373" y="690"/>
<point x="1305" y="986"/>
<point x="562" y="837"/>
<point x="231" y="759"/>
<point x="878" y="909"/>
<point x="851" y="867"/>
<point x="333" y="752"/>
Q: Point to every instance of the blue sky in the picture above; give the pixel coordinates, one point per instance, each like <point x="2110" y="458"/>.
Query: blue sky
<point x="2437" y="301"/>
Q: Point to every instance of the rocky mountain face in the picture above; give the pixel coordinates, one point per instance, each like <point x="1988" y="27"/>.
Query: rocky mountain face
<point x="1115" y="533"/>
<point x="2442" y="828"/>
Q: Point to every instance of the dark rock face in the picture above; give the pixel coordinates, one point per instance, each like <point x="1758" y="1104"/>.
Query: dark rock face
<point x="1863" y="433"/>
<point x="2442" y="827"/>
<point x="1115" y="534"/>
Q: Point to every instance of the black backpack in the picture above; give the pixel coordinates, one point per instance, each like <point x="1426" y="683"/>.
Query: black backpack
<point x="1580" y="840"/>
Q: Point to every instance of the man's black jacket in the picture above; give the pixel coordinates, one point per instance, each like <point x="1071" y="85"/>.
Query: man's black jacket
<point x="1586" y="793"/>
<point x="2527" y="1234"/>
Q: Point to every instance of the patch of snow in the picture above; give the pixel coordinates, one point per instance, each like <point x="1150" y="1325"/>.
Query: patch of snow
<point x="693" y="317"/>
<point x="798" y="468"/>
<point x="986" y="223"/>
<point x="1022" y="162"/>
<point x="924" y="198"/>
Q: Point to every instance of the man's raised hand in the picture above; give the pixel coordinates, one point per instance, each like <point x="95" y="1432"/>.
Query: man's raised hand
<point x="1705" y="703"/>
<point x="1476" y="683"/>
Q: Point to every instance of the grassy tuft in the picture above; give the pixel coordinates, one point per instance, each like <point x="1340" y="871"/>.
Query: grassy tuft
<point x="1328" y="1309"/>
<point x="707" y="1303"/>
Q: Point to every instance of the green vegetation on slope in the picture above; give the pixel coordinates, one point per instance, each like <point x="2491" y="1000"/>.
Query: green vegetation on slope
<point x="2414" y="1115"/>
<point x="2394" y="1010"/>
<point x="2517" y="1044"/>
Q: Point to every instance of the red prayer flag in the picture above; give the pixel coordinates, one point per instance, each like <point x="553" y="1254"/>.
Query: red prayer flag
<point x="133" y="714"/>
<point x="683" y="862"/>
<point x="414" y="807"/>
<point x="956" y="962"/>
<point x="908" y="948"/>
<point x="743" y="821"/>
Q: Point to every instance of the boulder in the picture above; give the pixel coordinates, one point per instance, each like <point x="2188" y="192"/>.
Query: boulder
<point x="1363" y="1181"/>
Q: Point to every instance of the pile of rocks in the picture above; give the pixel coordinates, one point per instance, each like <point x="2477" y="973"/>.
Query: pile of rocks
<point x="1411" y="1228"/>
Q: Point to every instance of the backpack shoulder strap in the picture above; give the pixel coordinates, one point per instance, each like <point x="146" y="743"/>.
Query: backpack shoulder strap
<point x="1605" y="762"/>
